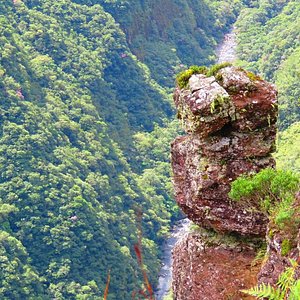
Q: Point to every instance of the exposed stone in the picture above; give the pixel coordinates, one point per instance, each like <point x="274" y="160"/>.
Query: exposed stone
<point x="203" y="182"/>
<point x="235" y="80"/>
<point x="207" y="104"/>
<point x="283" y="245"/>
<point x="229" y="134"/>
<point x="212" y="267"/>
<point x="200" y="81"/>
<point x="206" y="107"/>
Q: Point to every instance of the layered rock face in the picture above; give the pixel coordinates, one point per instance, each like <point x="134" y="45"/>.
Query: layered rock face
<point x="230" y="120"/>
<point x="230" y="123"/>
<point x="210" y="267"/>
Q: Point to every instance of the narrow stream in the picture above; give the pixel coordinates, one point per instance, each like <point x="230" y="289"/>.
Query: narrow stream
<point x="226" y="52"/>
<point x="165" y="275"/>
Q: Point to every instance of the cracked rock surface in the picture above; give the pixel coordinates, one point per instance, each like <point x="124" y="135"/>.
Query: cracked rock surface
<point x="230" y="123"/>
<point x="207" y="266"/>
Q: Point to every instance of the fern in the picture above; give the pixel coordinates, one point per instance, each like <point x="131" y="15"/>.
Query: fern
<point x="265" y="291"/>
<point x="295" y="291"/>
<point x="287" y="287"/>
<point x="286" y="279"/>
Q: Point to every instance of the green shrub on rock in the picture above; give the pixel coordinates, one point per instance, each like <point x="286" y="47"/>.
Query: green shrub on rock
<point x="271" y="191"/>
<point x="183" y="77"/>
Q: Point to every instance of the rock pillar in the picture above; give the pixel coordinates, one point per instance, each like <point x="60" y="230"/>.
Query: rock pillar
<point x="230" y="122"/>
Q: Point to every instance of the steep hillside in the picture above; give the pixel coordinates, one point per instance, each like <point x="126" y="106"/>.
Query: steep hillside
<point x="87" y="44"/>
<point x="167" y="34"/>
<point x="269" y="43"/>
<point x="67" y="192"/>
<point x="79" y="114"/>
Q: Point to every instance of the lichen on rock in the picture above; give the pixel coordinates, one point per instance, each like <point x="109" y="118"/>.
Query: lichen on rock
<point x="210" y="266"/>
<point x="230" y="121"/>
<point x="229" y="134"/>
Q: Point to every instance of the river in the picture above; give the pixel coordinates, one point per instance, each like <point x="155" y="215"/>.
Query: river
<point x="165" y="275"/>
<point x="226" y="52"/>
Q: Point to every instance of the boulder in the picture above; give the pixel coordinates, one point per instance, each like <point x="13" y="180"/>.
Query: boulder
<point x="208" y="266"/>
<point x="230" y="121"/>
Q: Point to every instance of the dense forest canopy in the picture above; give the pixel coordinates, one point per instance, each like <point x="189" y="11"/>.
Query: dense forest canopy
<point x="269" y="44"/>
<point x="86" y="122"/>
<point x="83" y="139"/>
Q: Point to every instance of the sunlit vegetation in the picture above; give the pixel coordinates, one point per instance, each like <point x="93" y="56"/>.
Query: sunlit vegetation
<point x="183" y="77"/>
<point x="270" y="191"/>
<point x="274" y="193"/>
<point x="288" y="154"/>
<point x="268" y="37"/>
<point x="287" y="286"/>
<point x="85" y="134"/>
<point x="84" y="140"/>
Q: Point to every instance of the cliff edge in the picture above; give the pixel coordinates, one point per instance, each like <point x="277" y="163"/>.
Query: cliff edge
<point x="230" y="117"/>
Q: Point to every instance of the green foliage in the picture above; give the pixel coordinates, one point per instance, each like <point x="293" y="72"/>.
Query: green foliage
<point x="77" y="151"/>
<point x="287" y="286"/>
<point x="285" y="247"/>
<point x="268" y="44"/>
<point x="167" y="34"/>
<point x="288" y="153"/>
<point x="245" y="186"/>
<point x="271" y="191"/>
<point x="216" y="68"/>
<point x="284" y="211"/>
<point x="295" y="291"/>
<point x="264" y="291"/>
<point x="287" y="80"/>
<point x="155" y="170"/>
<point x="268" y="181"/>
<point x="19" y="280"/>
<point x="253" y="76"/>
<point x="67" y="192"/>
<point x="77" y="154"/>
<point x="183" y="77"/>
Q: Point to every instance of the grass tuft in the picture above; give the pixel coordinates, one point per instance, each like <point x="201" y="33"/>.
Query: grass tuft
<point x="183" y="77"/>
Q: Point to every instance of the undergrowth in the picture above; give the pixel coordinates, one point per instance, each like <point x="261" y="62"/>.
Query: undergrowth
<point x="287" y="287"/>
<point x="183" y="77"/>
<point x="216" y="68"/>
<point x="271" y="192"/>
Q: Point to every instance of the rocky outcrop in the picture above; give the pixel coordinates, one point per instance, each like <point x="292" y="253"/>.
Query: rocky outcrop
<point x="209" y="266"/>
<point x="230" y="120"/>
<point x="230" y="123"/>
<point x="283" y="245"/>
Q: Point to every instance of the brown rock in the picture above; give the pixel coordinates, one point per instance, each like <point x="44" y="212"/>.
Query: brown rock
<point x="283" y="245"/>
<point x="212" y="267"/>
<point x="235" y="80"/>
<point x="195" y="105"/>
<point x="230" y="121"/>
